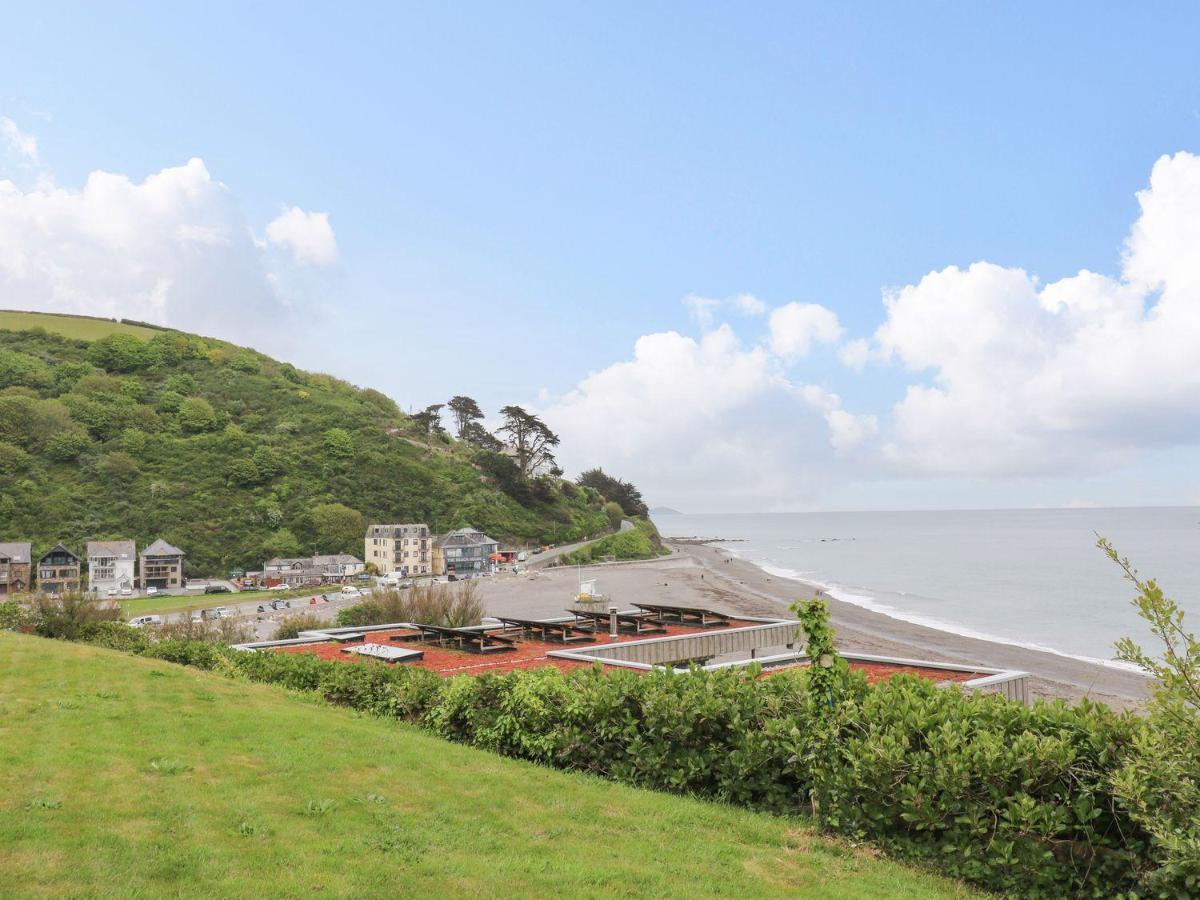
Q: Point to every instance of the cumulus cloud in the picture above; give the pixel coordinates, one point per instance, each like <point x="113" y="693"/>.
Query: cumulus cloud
<point x="795" y="327"/>
<point x="173" y="249"/>
<point x="1082" y="373"/>
<point x="308" y="235"/>
<point x="706" y="421"/>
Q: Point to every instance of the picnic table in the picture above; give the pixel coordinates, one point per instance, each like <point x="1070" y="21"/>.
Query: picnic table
<point x="468" y="639"/>
<point x="638" y="623"/>
<point x="686" y="615"/>
<point x="558" y="632"/>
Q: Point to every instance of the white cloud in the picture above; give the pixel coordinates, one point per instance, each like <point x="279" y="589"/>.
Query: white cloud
<point x="702" y="309"/>
<point x="24" y="145"/>
<point x="1080" y="374"/>
<point x="173" y="249"/>
<point x="308" y="235"/>
<point x="705" y="422"/>
<point x="796" y="326"/>
<point x="748" y="305"/>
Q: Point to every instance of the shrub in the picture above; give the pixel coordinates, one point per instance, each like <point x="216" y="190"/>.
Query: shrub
<point x="1160" y="780"/>
<point x="452" y="605"/>
<point x="14" y="616"/>
<point x="114" y="636"/>
<point x="66" y="615"/>
<point x="292" y="625"/>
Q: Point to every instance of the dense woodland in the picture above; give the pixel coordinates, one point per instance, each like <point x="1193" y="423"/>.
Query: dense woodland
<point x="236" y="457"/>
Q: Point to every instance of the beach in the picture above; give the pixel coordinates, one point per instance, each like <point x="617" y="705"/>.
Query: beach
<point x="699" y="574"/>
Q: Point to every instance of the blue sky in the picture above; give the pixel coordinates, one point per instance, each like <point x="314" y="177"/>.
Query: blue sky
<point x="520" y="193"/>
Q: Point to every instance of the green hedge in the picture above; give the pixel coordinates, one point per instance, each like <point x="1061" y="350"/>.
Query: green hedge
<point x="1014" y="799"/>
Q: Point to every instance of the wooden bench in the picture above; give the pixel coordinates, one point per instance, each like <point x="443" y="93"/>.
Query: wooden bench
<point x="637" y="623"/>
<point x="557" y="632"/>
<point x="686" y="615"/>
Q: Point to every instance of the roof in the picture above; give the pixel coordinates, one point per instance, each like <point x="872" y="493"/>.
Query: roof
<point x="391" y="531"/>
<point x="17" y="551"/>
<point x="57" y="548"/>
<point x="162" y="548"/>
<point x="119" y="549"/>
<point x="337" y="559"/>
<point x="464" y="537"/>
<point x="276" y="561"/>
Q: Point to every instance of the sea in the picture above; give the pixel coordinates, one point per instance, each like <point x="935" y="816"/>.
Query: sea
<point x="1033" y="577"/>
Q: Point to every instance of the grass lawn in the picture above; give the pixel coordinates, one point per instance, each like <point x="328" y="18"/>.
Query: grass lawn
<point x="128" y="777"/>
<point x="148" y="606"/>
<point x="78" y="327"/>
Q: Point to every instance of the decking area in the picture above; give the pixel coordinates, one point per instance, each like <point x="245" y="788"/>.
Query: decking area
<point x="648" y="637"/>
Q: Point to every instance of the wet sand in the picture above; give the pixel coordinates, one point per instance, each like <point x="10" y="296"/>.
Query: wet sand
<point x="698" y="575"/>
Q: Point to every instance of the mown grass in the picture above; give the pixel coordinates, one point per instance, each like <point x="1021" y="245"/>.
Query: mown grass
<point x="84" y="328"/>
<point x="132" y="777"/>
<point x="147" y="606"/>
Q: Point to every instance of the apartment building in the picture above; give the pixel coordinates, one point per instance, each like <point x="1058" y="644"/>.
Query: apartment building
<point x="15" y="575"/>
<point x="406" y="549"/>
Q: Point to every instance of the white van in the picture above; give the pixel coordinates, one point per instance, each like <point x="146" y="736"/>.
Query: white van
<point x="143" y="621"/>
<point x="350" y="591"/>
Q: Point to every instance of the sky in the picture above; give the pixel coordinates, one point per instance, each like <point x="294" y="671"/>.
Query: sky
<point x="776" y="258"/>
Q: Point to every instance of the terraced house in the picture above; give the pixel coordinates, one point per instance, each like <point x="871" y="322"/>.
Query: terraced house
<point x="407" y="549"/>
<point x="111" y="566"/>
<point x="15" y="576"/>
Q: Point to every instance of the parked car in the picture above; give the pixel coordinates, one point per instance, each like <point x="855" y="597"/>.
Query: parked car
<point x="351" y="591"/>
<point x="151" y="591"/>
<point x="126" y="592"/>
<point x="143" y="621"/>
<point x="217" y="589"/>
<point x="220" y="612"/>
<point x="278" y="587"/>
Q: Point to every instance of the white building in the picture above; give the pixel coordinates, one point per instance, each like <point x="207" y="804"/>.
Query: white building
<point x="111" y="566"/>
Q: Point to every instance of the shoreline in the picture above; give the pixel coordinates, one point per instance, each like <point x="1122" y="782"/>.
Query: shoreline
<point x="698" y="575"/>
<point x="859" y="628"/>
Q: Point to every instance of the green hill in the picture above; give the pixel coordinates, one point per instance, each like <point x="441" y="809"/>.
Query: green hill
<point x="126" y="777"/>
<point x="111" y="430"/>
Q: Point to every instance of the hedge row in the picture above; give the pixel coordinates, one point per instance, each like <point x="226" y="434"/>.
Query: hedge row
<point x="1011" y="798"/>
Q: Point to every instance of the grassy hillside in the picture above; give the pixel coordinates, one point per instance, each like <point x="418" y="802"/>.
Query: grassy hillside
<point x="130" y="777"/>
<point x="84" y="328"/>
<point x="229" y="454"/>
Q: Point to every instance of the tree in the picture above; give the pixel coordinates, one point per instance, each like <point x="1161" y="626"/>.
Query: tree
<point x="280" y="542"/>
<point x="482" y="439"/>
<point x="532" y="443"/>
<point x="118" y="353"/>
<point x="196" y="415"/>
<point x="466" y="413"/>
<point x="338" y="443"/>
<point x="430" y="419"/>
<point x="338" y="528"/>
<point x="620" y="492"/>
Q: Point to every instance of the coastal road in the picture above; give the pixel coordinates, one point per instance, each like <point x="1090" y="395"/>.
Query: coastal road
<point x="538" y="560"/>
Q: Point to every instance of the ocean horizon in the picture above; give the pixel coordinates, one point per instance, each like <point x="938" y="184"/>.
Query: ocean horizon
<point x="1029" y="577"/>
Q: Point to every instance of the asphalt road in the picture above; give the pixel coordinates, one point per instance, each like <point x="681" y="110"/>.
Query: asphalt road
<point x="538" y="560"/>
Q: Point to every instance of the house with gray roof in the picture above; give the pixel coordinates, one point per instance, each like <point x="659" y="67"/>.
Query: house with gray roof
<point x="463" y="551"/>
<point x="162" y="566"/>
<point x="112" y="566"/>
<point x="15" y="562"/>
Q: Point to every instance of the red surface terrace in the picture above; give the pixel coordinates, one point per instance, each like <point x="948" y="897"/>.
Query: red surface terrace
<point x="530" y="652"/>
<point x="533" y="653"/>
